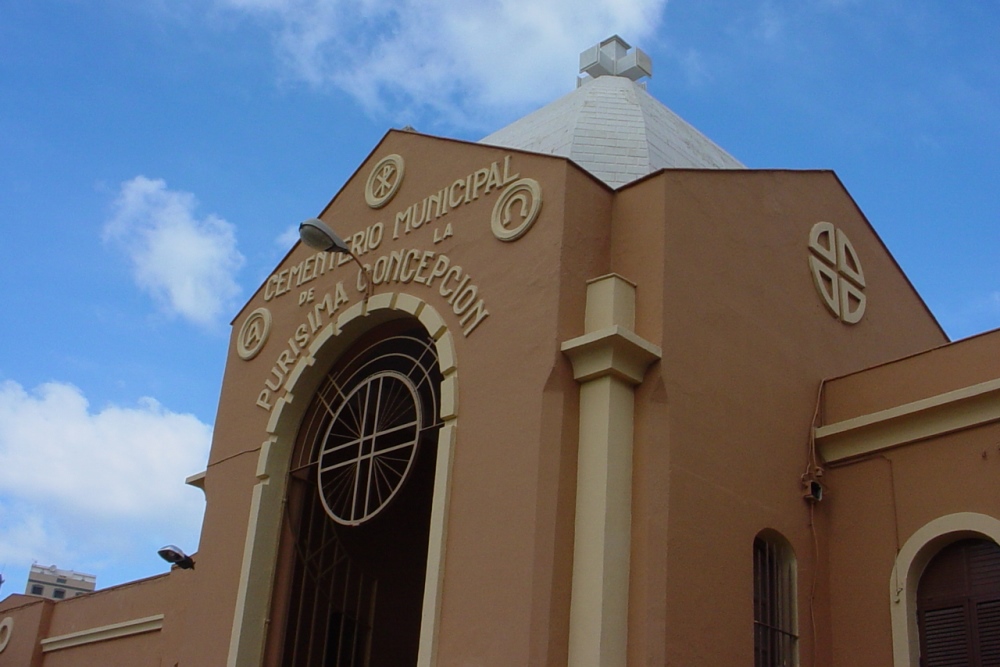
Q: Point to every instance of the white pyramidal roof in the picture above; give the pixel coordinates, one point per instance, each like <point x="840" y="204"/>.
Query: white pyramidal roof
<point x="611" y="126"/>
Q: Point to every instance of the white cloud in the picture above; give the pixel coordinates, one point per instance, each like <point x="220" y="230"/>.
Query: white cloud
<point x="119" y="462"/>
<point x="187" y="264"/>
<point x="24" y="537"/>
<point x="88" y="489"/>
<point x="288" y="238"/>
<point x="457" y="59"/>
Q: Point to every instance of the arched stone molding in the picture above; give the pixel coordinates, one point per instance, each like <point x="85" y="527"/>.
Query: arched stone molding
<point x="911" y="561"/>
<point x="253" y="601"/>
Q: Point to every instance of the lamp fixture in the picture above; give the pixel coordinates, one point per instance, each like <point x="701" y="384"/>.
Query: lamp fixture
<point x="173" y="555"/>
<point x="317" y="234"/>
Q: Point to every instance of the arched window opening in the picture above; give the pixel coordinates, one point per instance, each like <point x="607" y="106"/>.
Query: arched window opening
<point x="775" y="621"/>
<point x="352" y="561"/>
<point x="958" y="606"/>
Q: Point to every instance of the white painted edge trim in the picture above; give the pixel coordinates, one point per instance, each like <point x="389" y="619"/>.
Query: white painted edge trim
<point x="136" y="626"/>
<point x="430" y="613"/>
<point x="911" y="560"/>
<point x="197" y="480"/>
<point x="613" y="350"/>
<point x="608" y="333"/>
<point x="844" y="435"/>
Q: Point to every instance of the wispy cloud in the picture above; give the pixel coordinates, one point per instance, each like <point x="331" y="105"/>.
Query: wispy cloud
<point x="80" y="487"/>
<point x="770" y="22"/>
<point x="694" y="67"/>
<point x="455" y="58"/>
<point x="188" y="264"/>
<point x="287" y="238"/>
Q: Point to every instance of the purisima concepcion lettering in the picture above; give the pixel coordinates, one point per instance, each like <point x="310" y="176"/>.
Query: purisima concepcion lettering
<point x="433" y="269"/>
<point x="305" y="271"/>
<point x="314" y="266"/>
<point x="318" y="317"/>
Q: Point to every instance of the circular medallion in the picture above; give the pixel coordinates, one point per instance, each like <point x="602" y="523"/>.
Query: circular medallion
<point x="369" y="447"/>
<point x="837" y="273"/>
<point x="517" y="209"/>
<point x="383" y="181"/>
<point x="253" y="334"/>
<point x="6" y="630"/>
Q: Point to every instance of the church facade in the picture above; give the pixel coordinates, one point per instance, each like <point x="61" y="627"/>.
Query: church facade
<point x="588" y="392"/>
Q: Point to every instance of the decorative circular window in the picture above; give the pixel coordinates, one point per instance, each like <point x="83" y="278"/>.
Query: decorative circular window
<point x="369" y="447"/>
<point x="363" y="432"/>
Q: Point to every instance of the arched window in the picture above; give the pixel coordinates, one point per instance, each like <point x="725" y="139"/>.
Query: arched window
<point x="775" y="623"/>
<point x="958" y="606"/>
<point x="352" y="562"/>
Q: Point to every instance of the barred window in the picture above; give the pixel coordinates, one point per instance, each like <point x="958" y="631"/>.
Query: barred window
<point x="351" y="577"/>
<point x="774" y="619"/>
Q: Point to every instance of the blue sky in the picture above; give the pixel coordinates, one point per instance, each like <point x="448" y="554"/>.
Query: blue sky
<point x="155" y="156"/>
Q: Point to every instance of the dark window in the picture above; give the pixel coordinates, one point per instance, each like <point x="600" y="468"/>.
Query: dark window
<point x="37" y="590"/>
<point x="958" y="606"/>
<point x="60" y="580"/>
<point x="59" y="594"/>
<point x="774" y="632"/>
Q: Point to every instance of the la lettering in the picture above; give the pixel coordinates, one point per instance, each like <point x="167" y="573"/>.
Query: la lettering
<point x="446" y="234"/>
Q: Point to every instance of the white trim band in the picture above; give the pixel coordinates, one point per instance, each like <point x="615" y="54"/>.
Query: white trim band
<point x="945" y="413"/>
<point x="136" y="626"/>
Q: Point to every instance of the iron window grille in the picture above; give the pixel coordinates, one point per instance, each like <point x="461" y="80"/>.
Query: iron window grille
<point x="774" y="618"/>
<point x="369" y="432"/>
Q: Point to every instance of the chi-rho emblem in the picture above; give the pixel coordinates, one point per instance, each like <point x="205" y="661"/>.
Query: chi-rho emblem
<point x="384" y="180"/>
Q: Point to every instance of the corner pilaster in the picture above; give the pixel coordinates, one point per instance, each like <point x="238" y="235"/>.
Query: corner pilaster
<point x="609" y="360"/>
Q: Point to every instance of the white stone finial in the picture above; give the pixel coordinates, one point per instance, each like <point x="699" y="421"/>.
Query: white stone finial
<point x="613" y="58"/>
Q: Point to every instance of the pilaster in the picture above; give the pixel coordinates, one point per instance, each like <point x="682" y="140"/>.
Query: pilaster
<point x="609" y="360"/>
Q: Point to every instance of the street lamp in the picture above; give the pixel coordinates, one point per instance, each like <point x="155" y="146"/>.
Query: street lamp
<point x="317" y="234"/>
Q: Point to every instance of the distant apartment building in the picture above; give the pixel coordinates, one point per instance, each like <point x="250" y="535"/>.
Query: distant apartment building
<point x="55" y="584"/>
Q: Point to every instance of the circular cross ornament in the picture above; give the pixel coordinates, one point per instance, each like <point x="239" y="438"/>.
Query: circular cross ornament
<point x="383" y="181"/>
<point x="837" y="273"/>
<point x="253" y="334"/>
<point x="369" y="447"/>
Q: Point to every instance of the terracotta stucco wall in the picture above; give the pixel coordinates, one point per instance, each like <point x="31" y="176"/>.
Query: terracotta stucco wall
<point x="724" y="419"/>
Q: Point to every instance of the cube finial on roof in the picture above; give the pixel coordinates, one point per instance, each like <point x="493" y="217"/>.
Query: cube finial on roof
<point x="613" y="58"/>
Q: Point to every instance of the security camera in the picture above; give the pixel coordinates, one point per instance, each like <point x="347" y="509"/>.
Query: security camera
<point x="173" y="555"/>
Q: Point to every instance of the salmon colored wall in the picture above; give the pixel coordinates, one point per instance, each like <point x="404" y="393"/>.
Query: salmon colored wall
<point x="876" y="504"/>
<point x="723" y="420"/>
<point x="722" y="423"/>
<point x="960" y="364"/>
<point x="143" y="650"/>
<point x="31" y="621"/>
<point x="509" y="560"/>
<point x="35" y="619"/>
